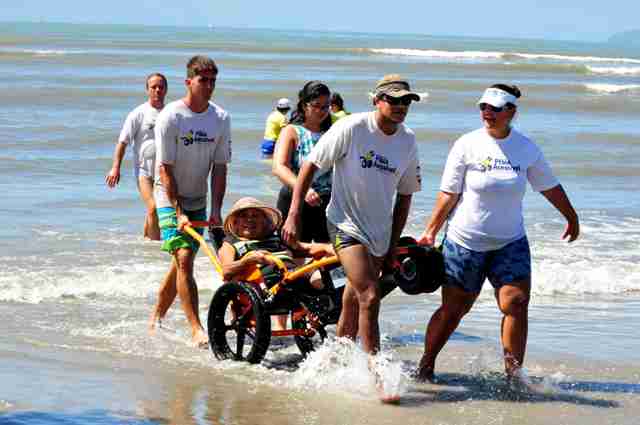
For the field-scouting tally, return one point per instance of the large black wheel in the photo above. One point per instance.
(239, 328)
(315, 333)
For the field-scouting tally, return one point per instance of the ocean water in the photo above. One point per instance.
(77, 281)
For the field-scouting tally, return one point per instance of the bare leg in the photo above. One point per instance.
(188, 293)
(348, 322)
(361, 298)
(166, 296)
(151, 224)
(513, 301)
(455, 304)
(279, 322)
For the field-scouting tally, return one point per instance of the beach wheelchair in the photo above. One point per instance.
(239, 317)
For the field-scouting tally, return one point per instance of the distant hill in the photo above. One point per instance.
(626, 37)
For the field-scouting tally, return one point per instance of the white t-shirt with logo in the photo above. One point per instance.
(369, 168)
(491, 177)
(191, 142)
(138, 131)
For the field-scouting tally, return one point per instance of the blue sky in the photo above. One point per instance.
(587, 20)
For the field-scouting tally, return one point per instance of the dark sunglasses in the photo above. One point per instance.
(395, 101)
(320, 107)
(496, 109)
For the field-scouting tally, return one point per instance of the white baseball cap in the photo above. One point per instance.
(283, 103)
(496, 97)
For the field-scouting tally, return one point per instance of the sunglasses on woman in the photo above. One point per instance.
(395, 101)
(320, 106)
(496, 109)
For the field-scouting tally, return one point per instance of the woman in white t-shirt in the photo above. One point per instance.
(481, 195)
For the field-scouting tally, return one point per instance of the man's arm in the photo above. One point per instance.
(400, 214)
(290, 228)
(218, 189)
(168, 181)
(559, 199)
(313, 250)
(113, 177)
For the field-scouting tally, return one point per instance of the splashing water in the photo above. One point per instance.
(339, 365)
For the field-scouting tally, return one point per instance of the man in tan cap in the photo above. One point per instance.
(375, 159)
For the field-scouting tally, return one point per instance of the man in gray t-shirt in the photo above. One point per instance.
(193, 142)
(375, 172)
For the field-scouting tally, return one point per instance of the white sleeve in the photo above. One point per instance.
(455, 169)
(130, 127)
(411, 181)
(222, 153)
(540, 175)
(166, 135)
(332, 146)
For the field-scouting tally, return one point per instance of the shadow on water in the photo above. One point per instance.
(418, 339)
(451, 387)
(601, 387)
(94, 417)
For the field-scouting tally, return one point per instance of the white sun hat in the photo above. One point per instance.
(283, 103)
(496, 97)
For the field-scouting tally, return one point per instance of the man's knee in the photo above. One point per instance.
(369, 295)
(184, 259)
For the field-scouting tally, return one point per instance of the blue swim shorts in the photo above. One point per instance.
(172, 239)
(468, 269)
(267, 147)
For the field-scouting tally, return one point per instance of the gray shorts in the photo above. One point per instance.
(340, 239)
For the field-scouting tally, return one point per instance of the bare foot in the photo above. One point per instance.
(153, 323)
(383, 395)
(200, 339)
(424, 374)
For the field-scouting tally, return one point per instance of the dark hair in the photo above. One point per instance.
(310, 91)
(199, 64)
(512, 90)
(156, 74)
(336, 99)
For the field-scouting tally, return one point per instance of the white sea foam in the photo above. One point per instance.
(45, 280)
(484, 55)
(440, 53)
(339, 365)
(42, 52)
(609, 70)
(611, 88)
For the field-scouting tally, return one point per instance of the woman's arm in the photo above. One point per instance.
(559, 199)
(445, 202)
(285, 146)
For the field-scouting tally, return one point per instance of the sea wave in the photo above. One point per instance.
(41, 52)
(611, 70)
(611, 88)
(495, 55)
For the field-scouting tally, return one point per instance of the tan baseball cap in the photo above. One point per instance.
(395, 86)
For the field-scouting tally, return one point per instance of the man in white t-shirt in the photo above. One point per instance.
(138, 131)
(375, 172)
(193, 142)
